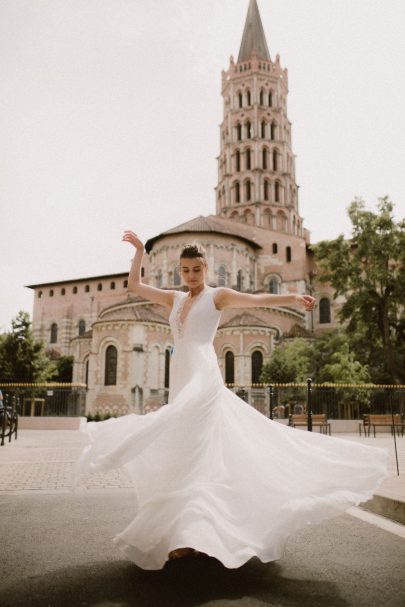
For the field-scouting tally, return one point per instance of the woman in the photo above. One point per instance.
(210, 473)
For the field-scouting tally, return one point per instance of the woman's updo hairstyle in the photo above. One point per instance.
(193, 251)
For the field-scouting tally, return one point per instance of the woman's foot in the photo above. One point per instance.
(180, 553)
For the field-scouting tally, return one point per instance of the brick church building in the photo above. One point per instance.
(255, 242)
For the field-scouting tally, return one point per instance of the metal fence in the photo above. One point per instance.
(64, 400)
(336, 401)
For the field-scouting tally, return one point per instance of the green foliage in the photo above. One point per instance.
(22, 358)
(327, 359)
(369, 271)
(63, 369)
(289, 363)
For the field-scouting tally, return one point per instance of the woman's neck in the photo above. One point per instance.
(196, 290)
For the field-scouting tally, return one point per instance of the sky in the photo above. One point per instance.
(110, 113)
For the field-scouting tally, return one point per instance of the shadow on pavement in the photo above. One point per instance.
(186, 582)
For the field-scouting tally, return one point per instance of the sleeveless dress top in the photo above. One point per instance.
(212, 473)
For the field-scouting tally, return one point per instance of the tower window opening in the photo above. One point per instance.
(248, 130)
(264, 158)
(112, 285)
(273, 131)
(63, 291)
(277, 191)
(275, 248)
(248, 187)
(51, 293)
(239, 132)
(237, 192)
(261, 97)
(288, 254)
(125, 284)
(99, 287)
(275, 160)
(263, 130)
(266, 189)
(248, 159)
(248, 97)
(270, 99)
(74, 291)
(87, 289)
(240, 100)
(237, 160)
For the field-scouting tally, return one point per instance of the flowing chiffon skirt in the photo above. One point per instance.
(211, 473)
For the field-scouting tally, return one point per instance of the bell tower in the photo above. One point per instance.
(256, 165)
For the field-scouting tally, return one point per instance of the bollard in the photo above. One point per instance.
(271, 397)
(309, 403)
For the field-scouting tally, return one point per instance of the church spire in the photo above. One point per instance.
(253, 36)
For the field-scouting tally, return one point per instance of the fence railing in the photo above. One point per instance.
(336, 401)
(9, 407)
(57, 399)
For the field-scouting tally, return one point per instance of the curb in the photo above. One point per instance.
(385, 506)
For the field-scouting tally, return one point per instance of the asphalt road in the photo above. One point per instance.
(56, 551)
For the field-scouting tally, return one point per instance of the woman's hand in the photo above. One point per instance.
(133, 238)
(307, 301)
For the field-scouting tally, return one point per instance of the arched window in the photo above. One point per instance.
(240, 99)
(99, 287)
(266, 189)
(112, 285)
(237, 160)
(63, 291)
(248, 188)
(239, 132)
(275, 160)
(270, 98)
(257, 365)
(277, 192)
(221, 276)
(248, 97)
(239, 280)
(51, 293)
(275, 248)
(82, 327)
(324, 311)
(274, 287)
(167, 368)
(288, 254)
(176, 277)
(74, 290)
(110, 373)
(39, 294)
(126, 282)
(87, 289)
(237, 192)
(248, 130)
(229, 368)
(54, 333)
(264, 158)
(261, 97)
(273, 131)
(248, 156)
(263, 130)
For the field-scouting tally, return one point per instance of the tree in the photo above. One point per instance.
(64, 369)
(289, 363)
(22, 358)
(369, 271)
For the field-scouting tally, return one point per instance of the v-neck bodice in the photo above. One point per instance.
(201, 321)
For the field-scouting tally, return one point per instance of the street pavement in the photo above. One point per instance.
(56, 548)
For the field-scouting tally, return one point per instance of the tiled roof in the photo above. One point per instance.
(244, 320)
(298, 331)
(213, 224)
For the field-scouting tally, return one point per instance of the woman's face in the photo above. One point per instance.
(193, 271)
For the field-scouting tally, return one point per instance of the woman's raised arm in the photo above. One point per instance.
(135, 284)
(228, 298)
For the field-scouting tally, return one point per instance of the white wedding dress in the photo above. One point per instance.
(211, 473)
